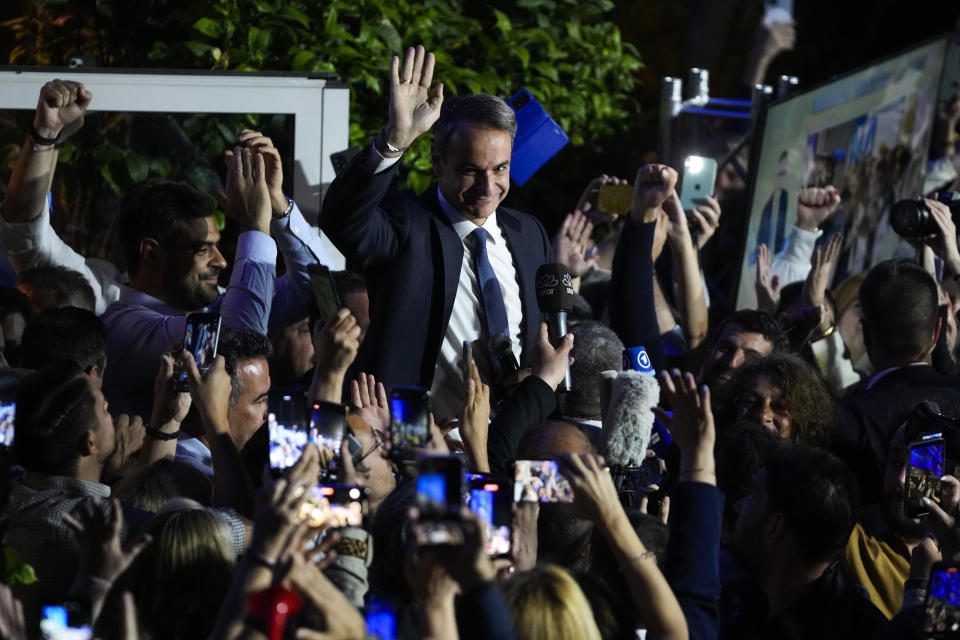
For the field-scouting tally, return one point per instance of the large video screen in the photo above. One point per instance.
(867, 134)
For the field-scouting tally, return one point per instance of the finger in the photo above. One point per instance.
(137, 546)
(394, 70)
(381, 395)
(419, 54)
(408, 62)
(436, 96)
(245, 167)
(426, 77)
(668, 385)
(705, 402)
(73, 523)
(941, 515)
(355, 398)
(705, 226)
(258, 167)
(115, 518)
(665, 509)
(642, 507)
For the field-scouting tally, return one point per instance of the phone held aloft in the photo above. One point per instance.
(201, 338)
(439, 497)
(409, 423)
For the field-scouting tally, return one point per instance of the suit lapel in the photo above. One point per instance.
(526, 266)
(450, 246)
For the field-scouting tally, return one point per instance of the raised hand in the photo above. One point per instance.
(272, 165)
(571, 243)
(369, 400)
(944, 242)
(816, 204)
(61, 108)
(549, 364)
(414, 106)
(336, 343)
(248, 199)
(692, 427)
(210, 391)
(340, 619)
(653, 185)
(768, 288)
(821, 264)
(707, 218)
(169, 405)
(130, 433)
(12, 623)
(588, 200)
(101, 554)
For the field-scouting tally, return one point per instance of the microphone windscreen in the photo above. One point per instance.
(628, 422)
(500, 345)
(554, 288)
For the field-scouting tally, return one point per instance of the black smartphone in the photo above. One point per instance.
(289, 433)
(540, 481)
(466, 361)
(941, 612)
(328, 425)
(325, 298)
(68, 620)
(493, 502)
(409, 422)
(200, 338)
(925, 458)
(615, 198)
(335, 505)
(439, 497)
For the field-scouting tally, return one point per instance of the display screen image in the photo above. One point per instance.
(55, 625)
(286, 442)
(7, 413)
(924, 471)
(334, 507)
(540, 481)
(484, 503)
(409, 419)
(942, 611)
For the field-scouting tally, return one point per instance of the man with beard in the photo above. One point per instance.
(878, 557)
(744, 335)
(791, 527)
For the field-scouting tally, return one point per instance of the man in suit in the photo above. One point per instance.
(451, 265)
(901, 324)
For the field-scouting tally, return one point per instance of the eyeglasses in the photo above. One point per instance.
(379, 439)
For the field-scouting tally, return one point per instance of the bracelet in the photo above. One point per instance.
(286, 212)
(100, 582)
(156, 434)
(643, 556)
(390, 147)
(39, 139)
(826, 334)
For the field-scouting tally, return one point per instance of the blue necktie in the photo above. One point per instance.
(490, 293)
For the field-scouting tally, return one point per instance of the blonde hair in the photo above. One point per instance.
(547, 604)
(846, 293)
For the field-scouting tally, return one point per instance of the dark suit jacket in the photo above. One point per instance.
(868, 418)
(411, 257)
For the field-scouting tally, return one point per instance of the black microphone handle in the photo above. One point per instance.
(557, 329)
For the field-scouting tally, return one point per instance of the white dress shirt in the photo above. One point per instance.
(468, 321)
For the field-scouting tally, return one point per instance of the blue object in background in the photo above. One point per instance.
(381, 620)
(538, 138)
(636, 359)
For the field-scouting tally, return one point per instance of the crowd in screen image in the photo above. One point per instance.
(503, 433)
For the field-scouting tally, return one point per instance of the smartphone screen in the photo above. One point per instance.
(381, 619)
(941, 615)
(615, 198)
(335, 505)
(409, 421)
(7, 411)
(540, 481)
(699, 175)
(328, 423)
(200, 338)
(924, 470)
(492, 501)
(439, 491)
(62, 622)
(324, 291)
(289, 434)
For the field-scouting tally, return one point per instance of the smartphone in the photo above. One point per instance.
(381, 619)
(335, 505)
(466, 361)
(325, 298)
(924, 470)
(409, 422)
(492, 501)
(941, 612)
(538, 137)
(328, 425)
(200, 338)
(615, 198)
(65, 621)
(289, 433)
(540, 481)
(699, 176)
(7, 412)
(439, 497)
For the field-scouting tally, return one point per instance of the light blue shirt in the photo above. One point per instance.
(140, 327)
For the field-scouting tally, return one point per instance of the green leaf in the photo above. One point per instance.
(108, 178)
(258, 40)
(296, 15)
(503, 22)
(301, 61)
(198, 49)
(137, 167)
(523, 55)
(208, 27)
(262, 6)
(17, 569)
(389, 34)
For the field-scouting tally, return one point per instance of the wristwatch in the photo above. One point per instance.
(286, 212)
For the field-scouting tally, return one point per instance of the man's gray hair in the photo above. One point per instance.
(478, 109)
(596, 348)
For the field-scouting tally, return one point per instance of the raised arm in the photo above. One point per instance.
(689, 282)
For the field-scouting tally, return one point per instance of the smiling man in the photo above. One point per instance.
(451, 265)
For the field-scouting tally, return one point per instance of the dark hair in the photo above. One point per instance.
(900, 308)
(752, 321)
(238, 346)
(480, 110)
(55, 409)
(53, 286)
(817, 495)
(813, 409)
(596, 348)
(348, 282)
(151, 209)
(740, 452)
(13, 300)
(64, 333)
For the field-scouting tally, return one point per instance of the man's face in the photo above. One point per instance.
(293, 350)
(763, 402)
(104, 433)
(752, 519)
(192, 264)
(249, 412)
(734, 347)
(894, 490)
(375, 471)
(474, 171)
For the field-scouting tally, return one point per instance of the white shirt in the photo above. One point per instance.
(467, 320)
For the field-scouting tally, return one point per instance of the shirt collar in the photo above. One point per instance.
(881, 374)
(464, 227)
(41, 482)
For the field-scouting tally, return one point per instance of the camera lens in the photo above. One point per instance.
(911, 219)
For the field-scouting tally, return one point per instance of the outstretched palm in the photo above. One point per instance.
(414, 106)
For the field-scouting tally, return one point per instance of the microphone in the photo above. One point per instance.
(628, 422)
(502, 349)
(555, 298)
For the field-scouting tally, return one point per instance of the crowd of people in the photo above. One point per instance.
(755, 486)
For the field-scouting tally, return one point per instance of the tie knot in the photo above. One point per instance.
(479, 236)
